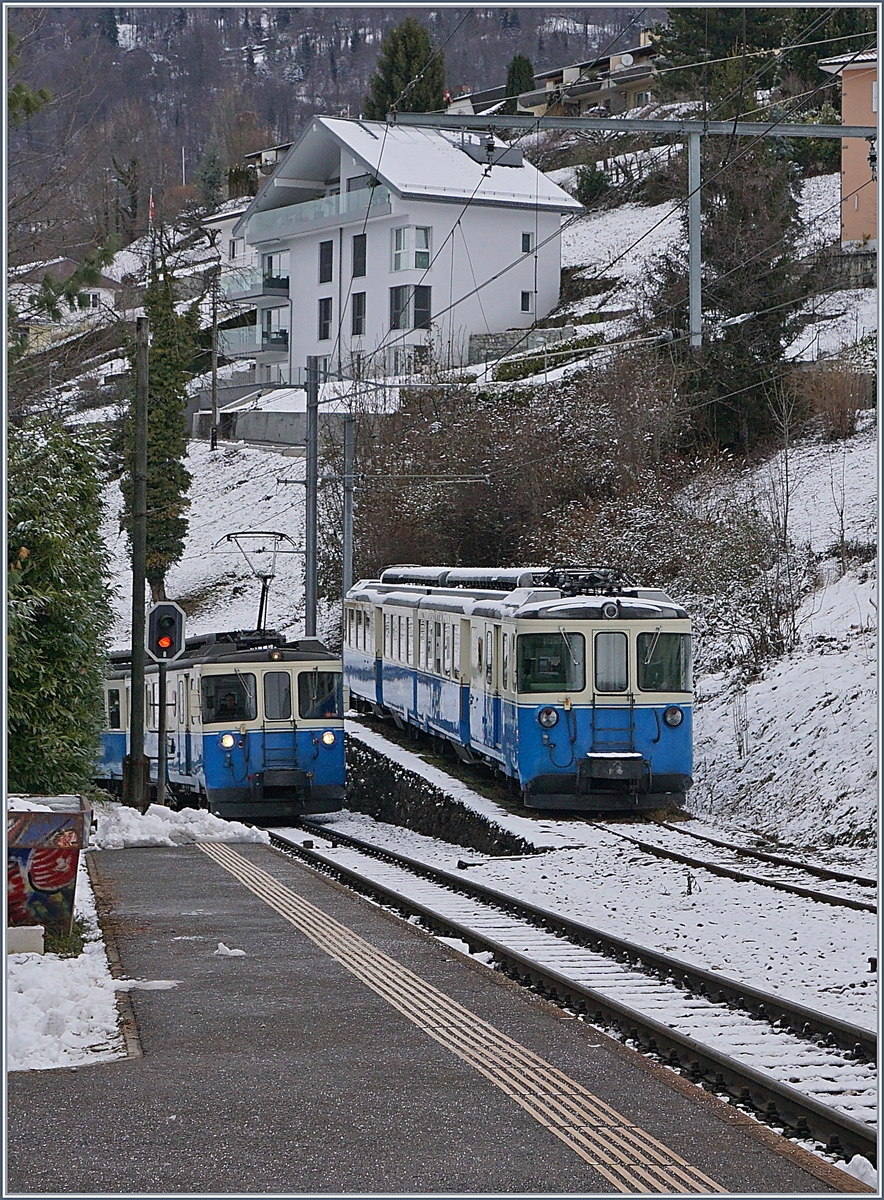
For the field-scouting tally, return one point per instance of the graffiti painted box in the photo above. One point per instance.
(42, 855)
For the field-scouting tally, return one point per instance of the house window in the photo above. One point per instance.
(325, 317)
(527, 243)
(236, 247)
(274, 334)
(526, 302)
(642, 98)
(410, 307)
(325, 261)
(359, 255)
(411, 248)
(275, 270)
(322, 365)
(88, 299)
(358, 314)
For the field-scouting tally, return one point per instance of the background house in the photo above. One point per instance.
(381, 247)
(859, 106)
(617, 82)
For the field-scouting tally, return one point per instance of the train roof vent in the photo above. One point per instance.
(416, 576)
(586, 581)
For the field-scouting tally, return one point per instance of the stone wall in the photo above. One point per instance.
(485, 346)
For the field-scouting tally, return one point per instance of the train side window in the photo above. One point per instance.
(446, 649)
(277, 695)
(611, 668)
(113, 709)
(388, 637)
(228, 698)
(409, 641)
(455, 650)
(489, 655)
(437, 663)
(182, 700)
(320, 695)
(664, 662)
(479, 655)
(505, 662)
(422, 644)
(548, 662)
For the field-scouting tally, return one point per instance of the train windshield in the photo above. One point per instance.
(320, 695)
(229, 698)
(664, 662)
(551, 662)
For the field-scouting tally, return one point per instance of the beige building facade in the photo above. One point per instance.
(859, 106)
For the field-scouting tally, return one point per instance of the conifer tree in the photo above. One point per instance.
(172, 348)
(409, 76)
(58, 613)
(519, 79)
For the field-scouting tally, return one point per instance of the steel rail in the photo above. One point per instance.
(779, 860)
(796, 889)
(703, 1064)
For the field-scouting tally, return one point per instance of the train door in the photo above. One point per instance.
(491, 714)
(182, 725)
(195, 734)
(477, 685)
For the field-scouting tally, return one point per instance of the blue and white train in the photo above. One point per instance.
(254, 726)
(575, 685)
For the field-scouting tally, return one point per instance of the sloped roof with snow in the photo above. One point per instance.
(842, 62)
(417, 163)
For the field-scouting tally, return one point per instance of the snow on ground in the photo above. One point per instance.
(61, 1012)
(815, 953)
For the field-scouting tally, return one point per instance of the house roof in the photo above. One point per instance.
(60, 269)
(413, 162)
(842, 62)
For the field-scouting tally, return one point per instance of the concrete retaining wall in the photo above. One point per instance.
(485, 346)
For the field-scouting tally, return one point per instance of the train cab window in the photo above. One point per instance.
(664, 662)
(277, 695)
(114, 720)
(549, 662)
(611, 673)
(320, 695)
(228, 698)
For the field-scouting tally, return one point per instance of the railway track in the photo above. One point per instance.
(844, 889)
(809, 1073)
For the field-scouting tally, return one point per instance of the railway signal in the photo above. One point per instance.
(165, 631)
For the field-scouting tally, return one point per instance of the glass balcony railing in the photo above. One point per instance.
(232, 342)
(252, 281)
(277, 222)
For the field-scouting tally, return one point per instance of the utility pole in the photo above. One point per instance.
(216, 275)
(135, 764)
(312, 488)
(161, 736)
(349, 455)
(694, 257)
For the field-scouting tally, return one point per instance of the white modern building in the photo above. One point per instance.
(377, 248)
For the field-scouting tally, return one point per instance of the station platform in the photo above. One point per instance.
(348, 1052)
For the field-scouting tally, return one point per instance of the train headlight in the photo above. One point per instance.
(673, 716)
(328, 738)
(228, 741)
(610, 610)
(547, 717)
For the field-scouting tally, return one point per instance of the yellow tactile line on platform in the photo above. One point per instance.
(628, 1157)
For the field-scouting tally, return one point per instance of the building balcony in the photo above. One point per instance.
(275, 340)
(250, 283)
(277, 223)
(239, 343)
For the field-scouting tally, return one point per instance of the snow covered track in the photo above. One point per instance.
(691, 1018)
(780, 873)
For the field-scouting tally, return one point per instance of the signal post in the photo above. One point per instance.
(165, 643)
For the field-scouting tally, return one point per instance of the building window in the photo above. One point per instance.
(236, 247)
(358, 314)
(359, 256)
(410, 307)
(411, 248)
(641, 99)
(527, 243)
(325, 317)
(274, 334)
(275, 270)
(322, 367)
(526, 302)
(325, 261)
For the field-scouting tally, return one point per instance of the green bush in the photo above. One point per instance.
(591, 183)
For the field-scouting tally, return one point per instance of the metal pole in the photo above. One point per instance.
(161, 736)
(216, 273)
(695, 298)
(135, 765)
(349, 454)
(312, 481)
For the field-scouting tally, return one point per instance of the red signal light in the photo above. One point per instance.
(164, 642)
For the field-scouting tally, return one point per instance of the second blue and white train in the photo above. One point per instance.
(574, 683)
